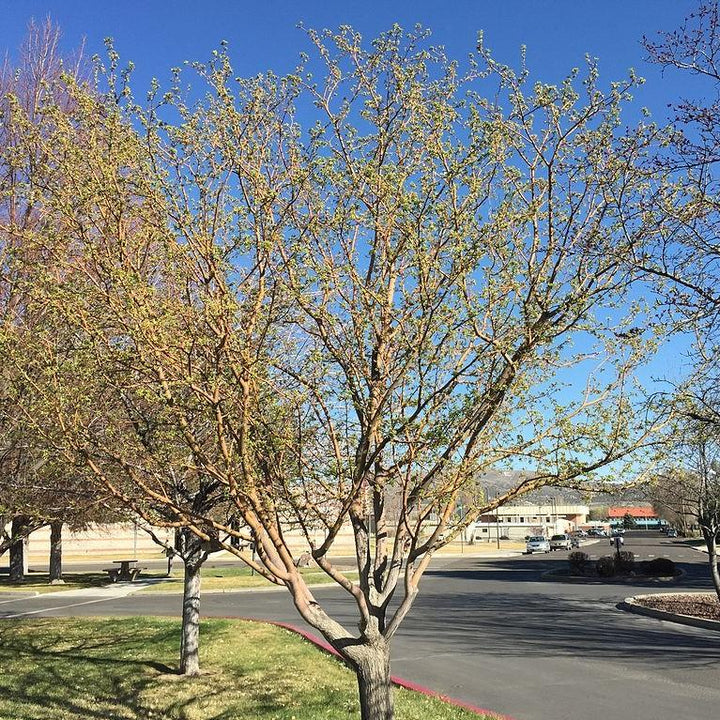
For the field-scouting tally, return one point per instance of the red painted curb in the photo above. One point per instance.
(400, 682)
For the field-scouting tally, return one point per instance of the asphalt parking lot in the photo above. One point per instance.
(493, 633)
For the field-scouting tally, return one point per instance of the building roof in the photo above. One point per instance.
(620, 512)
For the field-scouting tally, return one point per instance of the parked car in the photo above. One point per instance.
(672, 532)
(597, 533)
(537, 543)
(560, 542)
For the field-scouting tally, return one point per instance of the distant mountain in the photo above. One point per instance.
(496, 482)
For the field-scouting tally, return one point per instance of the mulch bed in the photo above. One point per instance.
(704, 606)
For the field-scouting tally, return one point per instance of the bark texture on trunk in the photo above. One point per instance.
(56, 551)
(18, 559)
(190, 640)
(369, 655)
(372, 667)
(713, 561)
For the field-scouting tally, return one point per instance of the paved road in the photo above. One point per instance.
(491, 632)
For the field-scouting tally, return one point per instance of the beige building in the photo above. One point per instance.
(126, 540)
(114, 540)
(516, 522)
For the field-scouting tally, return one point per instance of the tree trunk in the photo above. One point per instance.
(372, 668)
(190, 640)
(18, 557)
(711, 543)
(56, 552)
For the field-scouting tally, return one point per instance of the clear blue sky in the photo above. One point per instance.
(159, 34)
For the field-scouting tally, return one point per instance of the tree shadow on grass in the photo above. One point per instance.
(88, 669)
(34, 581)
(92, 669)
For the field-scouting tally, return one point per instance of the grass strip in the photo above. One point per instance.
(227, 577)
(39, 582)
(224, 577)
(123, 668)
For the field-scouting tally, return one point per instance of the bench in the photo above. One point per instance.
(116, 574)
(135, 571)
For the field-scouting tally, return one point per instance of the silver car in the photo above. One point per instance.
(537, 543)
(560, 542)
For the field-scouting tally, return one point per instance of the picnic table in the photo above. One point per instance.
(127, 571)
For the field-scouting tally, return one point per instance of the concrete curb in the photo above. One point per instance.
(632, 605)
(23, 596)
(397, 681)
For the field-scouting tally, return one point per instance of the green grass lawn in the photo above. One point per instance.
(228, 577)
(213, 578)
(38, 582)
(86, 669)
